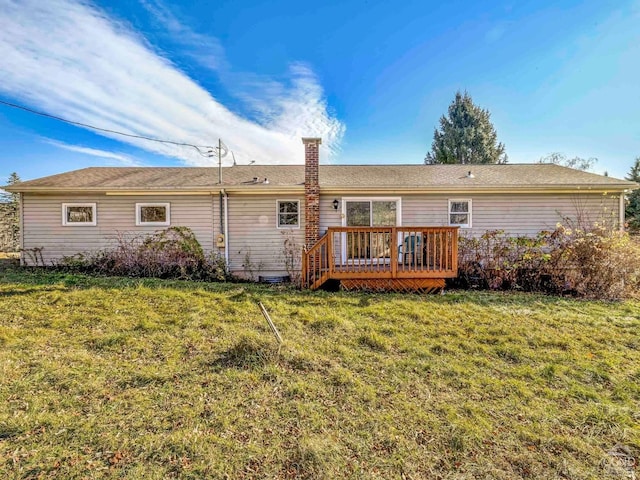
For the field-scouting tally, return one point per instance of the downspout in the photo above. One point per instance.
(221, 196)
(226, 228)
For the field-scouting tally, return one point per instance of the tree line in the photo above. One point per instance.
(10, 218)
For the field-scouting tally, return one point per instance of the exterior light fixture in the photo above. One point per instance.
(336, 203)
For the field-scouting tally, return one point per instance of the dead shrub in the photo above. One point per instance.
(593, 263)
(171, 253)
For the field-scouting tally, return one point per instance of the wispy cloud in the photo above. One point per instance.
(497, 31)
(72, 59)
(120, 158)
(296, 106)
(204, 49)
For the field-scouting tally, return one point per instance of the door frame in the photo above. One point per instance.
(343, 203)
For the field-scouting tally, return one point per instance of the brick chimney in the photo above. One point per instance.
(311, 191)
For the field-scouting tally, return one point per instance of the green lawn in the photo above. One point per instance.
(120, 378)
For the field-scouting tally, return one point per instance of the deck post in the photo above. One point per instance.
(330, 257)
(394, 252)
(454, 250)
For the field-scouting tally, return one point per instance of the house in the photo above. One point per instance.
(397, 222)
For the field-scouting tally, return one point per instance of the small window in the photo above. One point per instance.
(79, 214)
(460, 213)
(153, 214)
(288, 213)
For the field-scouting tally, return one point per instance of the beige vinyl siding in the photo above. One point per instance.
(255, 241)
(116, 215)
(215, 199)
(253, 232)
(516, 214)
(329, 216)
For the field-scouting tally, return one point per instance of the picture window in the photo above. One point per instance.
(79, 214)
(154, 214)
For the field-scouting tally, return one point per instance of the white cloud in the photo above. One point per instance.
(204, 49)
(72, 60)
(120, 158)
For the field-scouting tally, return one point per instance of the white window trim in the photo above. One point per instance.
(65, 223)
(287, 227)
(470, 213)
(344, 200)
(139, 221)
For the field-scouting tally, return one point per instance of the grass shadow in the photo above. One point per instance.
(242, 291)
(14, 292)
(248, 353)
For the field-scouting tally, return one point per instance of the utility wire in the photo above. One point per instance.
(207, 153)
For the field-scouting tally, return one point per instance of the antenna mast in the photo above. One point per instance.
(222, 152)
(219, 161)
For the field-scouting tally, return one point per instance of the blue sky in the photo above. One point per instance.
(371, 78)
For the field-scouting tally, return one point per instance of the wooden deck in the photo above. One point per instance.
(383, 258)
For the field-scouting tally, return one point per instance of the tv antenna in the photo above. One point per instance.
(221, 151)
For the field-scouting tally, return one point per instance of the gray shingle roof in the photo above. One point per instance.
(442, 177)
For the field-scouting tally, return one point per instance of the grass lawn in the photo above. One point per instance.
(120, 378)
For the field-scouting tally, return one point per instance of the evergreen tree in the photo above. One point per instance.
(632, 211)
(466, 135)
(10, 218)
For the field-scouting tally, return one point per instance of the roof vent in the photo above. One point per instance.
(470, 175)
(266, 181)
(255, 179)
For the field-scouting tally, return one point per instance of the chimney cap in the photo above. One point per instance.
(307, 140)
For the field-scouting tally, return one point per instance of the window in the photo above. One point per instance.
(79, 214)
(371, 213)
(153, 214)
(288, 213)
(460, 213)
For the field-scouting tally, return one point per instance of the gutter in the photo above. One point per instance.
(271, 189)
(468, 190)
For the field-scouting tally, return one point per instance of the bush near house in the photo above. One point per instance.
(171, 253)
(596, 263)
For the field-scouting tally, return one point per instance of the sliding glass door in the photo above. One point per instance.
(364, 212)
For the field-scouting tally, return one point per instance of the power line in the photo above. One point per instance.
(207, 153)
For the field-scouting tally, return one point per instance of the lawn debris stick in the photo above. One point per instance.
(271, 324)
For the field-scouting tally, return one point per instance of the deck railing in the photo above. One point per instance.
(316, 266)
(382, 252)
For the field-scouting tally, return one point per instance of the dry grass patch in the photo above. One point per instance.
(120, 378)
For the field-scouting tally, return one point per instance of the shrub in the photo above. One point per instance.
(594, 263)
(171, 253)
